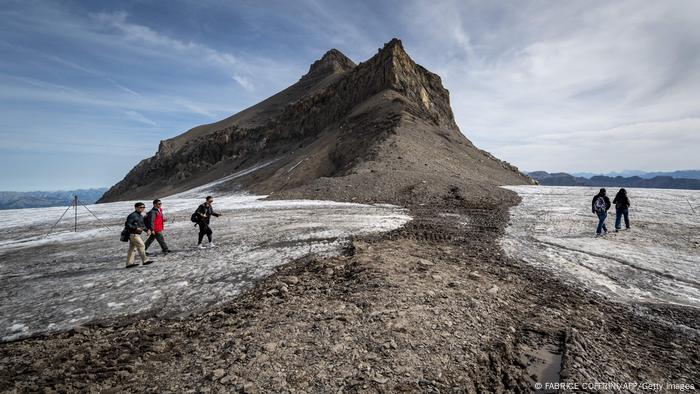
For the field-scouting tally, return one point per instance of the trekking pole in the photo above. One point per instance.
(690, 235)
(98, 219)
(75, 203)
(59, 219)
(691, 206)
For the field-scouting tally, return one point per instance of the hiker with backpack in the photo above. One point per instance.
(600, 206)
(155, 222)
(134, 226)
(622, 205)
(202, 216)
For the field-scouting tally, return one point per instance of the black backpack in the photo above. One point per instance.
(195, 216)
(124, 236)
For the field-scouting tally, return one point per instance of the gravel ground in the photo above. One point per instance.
(434, 307)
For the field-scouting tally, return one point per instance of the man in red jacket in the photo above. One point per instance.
(155, 222)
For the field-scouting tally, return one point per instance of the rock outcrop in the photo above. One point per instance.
(370, 132)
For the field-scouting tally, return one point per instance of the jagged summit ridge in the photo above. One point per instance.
(394, 47)
(423, 89)
(333, 58)
(331, 62)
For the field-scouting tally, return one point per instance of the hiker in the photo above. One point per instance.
(135, 226)
(600, 206)
(154, 223)
(204, 213)
(622, 205)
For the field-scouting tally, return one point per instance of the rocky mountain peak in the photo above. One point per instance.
(331, 62)
(423, 89)
(338, 120)
(394, 47)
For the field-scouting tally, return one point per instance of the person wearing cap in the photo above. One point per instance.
(600, 206)
(135, 225)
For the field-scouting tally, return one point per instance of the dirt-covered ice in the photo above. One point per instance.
(657, 260)
(54, 283)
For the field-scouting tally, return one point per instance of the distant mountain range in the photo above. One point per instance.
(40, 199)
(658, 182)
(686, 174)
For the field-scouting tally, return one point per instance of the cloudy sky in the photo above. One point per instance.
(87, 89)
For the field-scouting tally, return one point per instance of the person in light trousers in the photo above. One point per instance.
(136, 225)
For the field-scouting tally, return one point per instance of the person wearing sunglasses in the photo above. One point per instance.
(135, 225)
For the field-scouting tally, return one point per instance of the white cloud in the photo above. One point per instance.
(44, 85)
(122, 87)
(195, 108)
(244, 81)
(114, 38)
(145, 36)
(71, 64)
(521, 73)
(29, 90)
(662, 145)
(138, 117)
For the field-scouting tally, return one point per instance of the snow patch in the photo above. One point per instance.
(66, 273)
(17, 327)
(657, 261)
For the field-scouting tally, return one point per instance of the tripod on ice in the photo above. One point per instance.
(74, 205)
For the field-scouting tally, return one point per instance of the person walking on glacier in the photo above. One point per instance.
(202, 216)
(622, 205)
(135, 226)
(600, 206)
(155, 223)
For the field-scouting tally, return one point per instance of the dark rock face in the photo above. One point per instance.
(337, 118)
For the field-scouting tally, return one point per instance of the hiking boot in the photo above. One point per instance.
(147, 262)
(132, 265)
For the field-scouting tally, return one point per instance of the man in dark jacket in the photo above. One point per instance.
(204, 214)
(600, 206)
(622, 205)
(135, 225)
(155, 223)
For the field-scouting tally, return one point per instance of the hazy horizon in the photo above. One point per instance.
(524, 171)
(70, 189)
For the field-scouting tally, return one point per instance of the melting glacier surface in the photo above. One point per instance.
(656, 261)
(52, 283)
